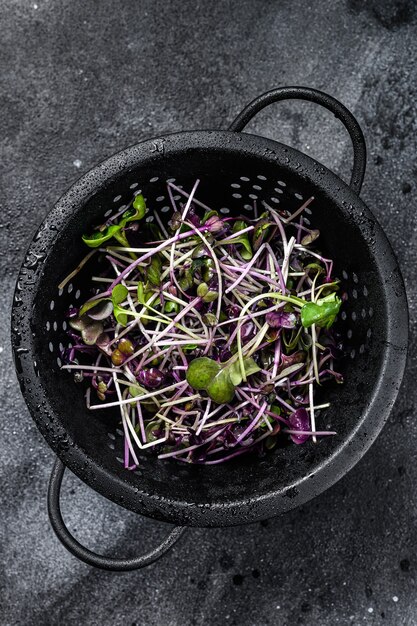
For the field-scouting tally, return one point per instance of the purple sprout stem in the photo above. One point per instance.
(253, 422)
(191, 448)
(299, 229)
(141, 422)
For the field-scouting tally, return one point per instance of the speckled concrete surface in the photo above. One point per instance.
(80, 81)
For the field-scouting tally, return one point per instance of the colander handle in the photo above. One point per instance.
(83, 553)
(328, 102)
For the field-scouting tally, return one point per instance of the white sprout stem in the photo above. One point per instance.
(286, 261)
(180, 401)
(272, 295)
(119, 256)
(236, 234)
(92, 368)
(141, 422)
(136, 321)
(77, 269)
(163, 342)
(251, 316)
(141, 445)
(190, 200)
(180, 243)
(160, 224)
(186, 195)
(204, 418)
(278, 221)
(319, 406)
(169, 296)
(125, 419)
(314, 335)
(277, 358)
(145, 396)
(178, 261)
(156, 341)
(246, 270)
(172, 251)
(190, 448)
(257, 340)
(164, 244)
(312, 417)
(129, 374)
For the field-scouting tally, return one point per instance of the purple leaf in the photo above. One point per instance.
(299, 420)
(101, 311)
(151, 378)
(102, 342)
(281, 319)
(214, 224)
(292, 359)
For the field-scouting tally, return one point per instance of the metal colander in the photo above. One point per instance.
(235, 169)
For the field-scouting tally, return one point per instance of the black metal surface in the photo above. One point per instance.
(325, 100)
(246, 491)
(81, 80)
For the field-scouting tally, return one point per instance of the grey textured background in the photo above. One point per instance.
(81, 80)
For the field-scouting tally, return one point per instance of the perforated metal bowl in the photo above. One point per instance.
(234, 169)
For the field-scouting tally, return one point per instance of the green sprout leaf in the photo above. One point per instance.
(149, 403)
(205, 374)
(91, 332)
(235, 373)
(207, 271)
(189, 347)
(201, 372)
(96, 239)
(80, 322)
(152, 430)
(202, 290)
(141, 292)
(171, 307)
(219, 381)
(102, 310)
(323, 312)
(119, 294)
(260, 231)
(310, 237)
(144, 293)
(90, 305)
(120, 315)
(291, 338)
(135, 212)
(221, 389)
(246, 250)
(314, 267)
(210, 296)
(210, 319)
(185, 281)
(154, 270)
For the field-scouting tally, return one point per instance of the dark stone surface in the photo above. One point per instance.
(80, 81)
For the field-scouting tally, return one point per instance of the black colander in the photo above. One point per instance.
(234, 168)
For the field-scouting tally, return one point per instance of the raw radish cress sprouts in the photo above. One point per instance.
(207, 335)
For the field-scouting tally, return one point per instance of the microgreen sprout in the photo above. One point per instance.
(206, 335)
